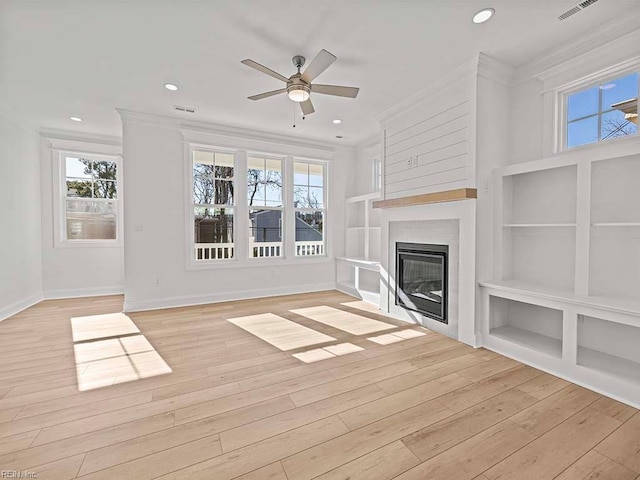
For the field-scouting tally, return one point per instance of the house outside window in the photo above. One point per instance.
(309, 206)
(601, 112)
(90, 199)
(264, 198)
(213, 204)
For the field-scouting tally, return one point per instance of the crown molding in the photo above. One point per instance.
(562, 58)
(464, 70)
(192, 130)
(81, 142)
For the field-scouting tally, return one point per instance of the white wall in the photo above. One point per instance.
(20, 258)
(74, 271)
(155, 221)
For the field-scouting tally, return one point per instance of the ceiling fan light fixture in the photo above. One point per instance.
(298, 93)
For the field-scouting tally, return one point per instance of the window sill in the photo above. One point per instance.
(88, 244)
(259, 262)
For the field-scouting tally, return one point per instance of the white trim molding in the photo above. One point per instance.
(20, 305)
(83, 292)
(191, 300)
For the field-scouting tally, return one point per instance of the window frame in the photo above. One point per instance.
(241, 227)
(562, 102)
(192, 205)
(282, 208)
(324, 209)
(60, 200)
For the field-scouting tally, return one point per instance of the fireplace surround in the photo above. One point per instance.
(422, 279)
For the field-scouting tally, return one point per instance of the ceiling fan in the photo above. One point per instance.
(299, 87)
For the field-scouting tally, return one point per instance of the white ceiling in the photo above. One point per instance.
(85, 58)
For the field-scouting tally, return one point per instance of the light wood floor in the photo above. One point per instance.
(384, 401)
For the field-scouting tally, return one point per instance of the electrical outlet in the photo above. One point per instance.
(414, 161)
(158, 281)
(409, 162)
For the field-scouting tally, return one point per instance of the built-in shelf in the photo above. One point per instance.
(435, 197)
(621, 368)
(524, 225)
(616, 224)
(628, 307)
(526, 338)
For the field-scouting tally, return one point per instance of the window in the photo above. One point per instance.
(602, 112)
(264, 198)
(213, 202)
(308, 198)
(376, 174)
(90, 198)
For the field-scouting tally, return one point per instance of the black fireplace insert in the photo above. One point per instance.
(421, 279)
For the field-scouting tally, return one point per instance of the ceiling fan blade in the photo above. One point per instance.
(351, 92)
(318, 65)
(260, 96)
(263, 69)
(307, 107)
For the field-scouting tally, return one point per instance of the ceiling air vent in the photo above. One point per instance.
(184, 109)
(575, 9)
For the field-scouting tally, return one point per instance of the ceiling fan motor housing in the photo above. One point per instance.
(297, 89)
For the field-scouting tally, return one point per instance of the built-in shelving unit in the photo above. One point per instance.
(358, 272)
(566, 293)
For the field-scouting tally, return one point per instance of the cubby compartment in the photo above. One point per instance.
(355, 242)
(540, 256)
(528, 325)
(355, 214)
(609, 347)
(615, 197)
(541, 197)
(614, 262)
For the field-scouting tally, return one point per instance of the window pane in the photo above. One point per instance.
(301, 197)
(256, 193)
(315, 197)
(223, 192)
(224, 159)
(203, 190)
(104, 189)
(582, 132)
(203, 170)
(300, 173)
(223, 172)
(615, 124)
(273, 195)
(213, 233)
(203, 157)
(620, 90)
(255, 163)
(78, 168)
(87, 220)
(103, 170)
(265, 228)
(309, 233)
(316, 174)
(583, 103)
(79, 188)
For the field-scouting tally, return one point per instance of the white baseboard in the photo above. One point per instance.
(191, 300)
(16, 307)
(83, 292)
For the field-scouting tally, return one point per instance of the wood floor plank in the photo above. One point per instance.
(17, 442)
(550, 454)
(382, 464)
(269, 427)
(488, 369)
(553, 410)
(346, 448)
(64, 469)
(435, 439)
(543, 386)
(614, 409)
(163, 462)
(260, 454)
(596, 466)
(270, 472)
(371, 412)
(623, 446)
(470, 458)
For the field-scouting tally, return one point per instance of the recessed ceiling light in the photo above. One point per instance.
(337, 121)
(171, 86)
(75, 119)
(483, 15)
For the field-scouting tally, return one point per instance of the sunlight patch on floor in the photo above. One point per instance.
(395, 337)
(109, 349)
(325, 353)
(280, 332)
(345, 321)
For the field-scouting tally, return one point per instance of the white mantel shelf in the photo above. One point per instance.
(425, 198)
